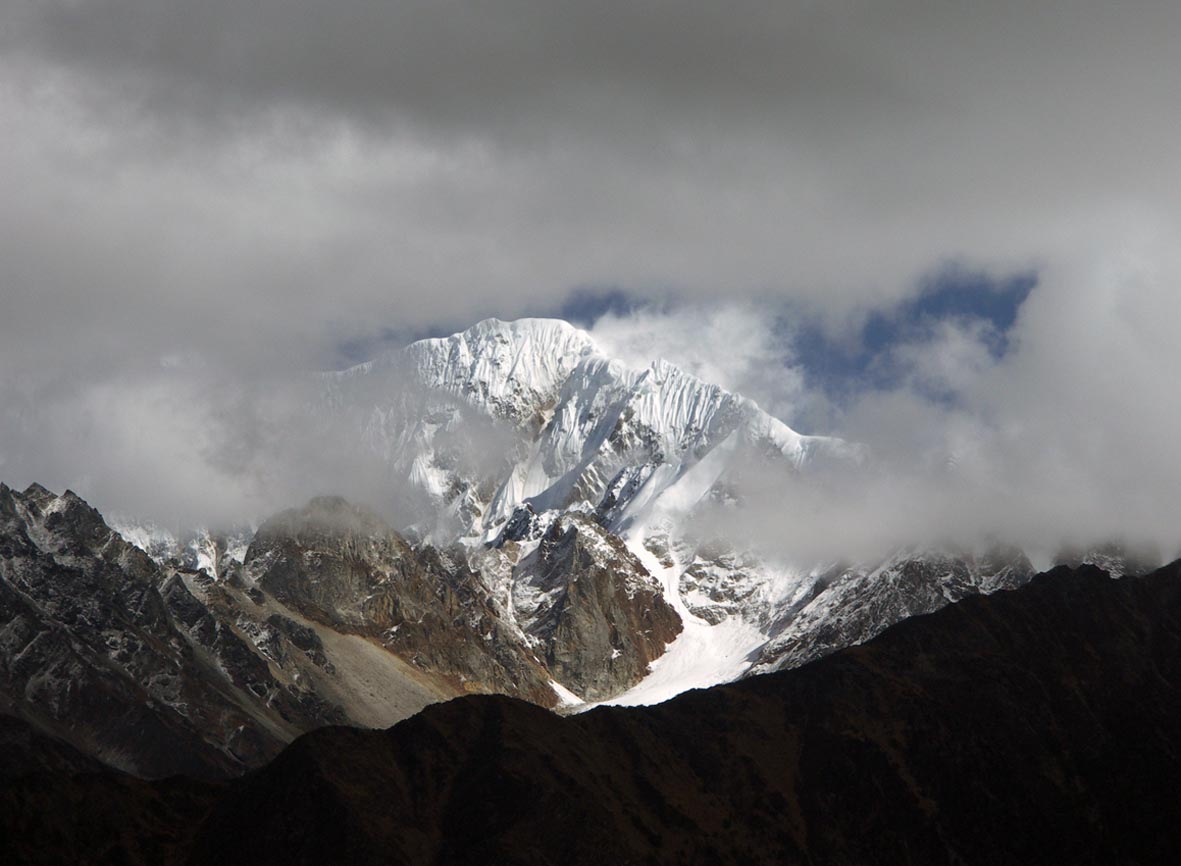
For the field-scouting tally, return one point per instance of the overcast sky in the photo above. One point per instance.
(197, 199)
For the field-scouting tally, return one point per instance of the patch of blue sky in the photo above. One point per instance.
(841, 368)
(585, 306)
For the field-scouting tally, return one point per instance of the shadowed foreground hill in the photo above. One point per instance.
(1041, 725)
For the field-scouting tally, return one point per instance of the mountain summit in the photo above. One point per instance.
(578, 429)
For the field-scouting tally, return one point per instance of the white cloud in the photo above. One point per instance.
(737, 346)
(950, 356)
(1070, 436)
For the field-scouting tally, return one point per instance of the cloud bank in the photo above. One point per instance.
(204, 202)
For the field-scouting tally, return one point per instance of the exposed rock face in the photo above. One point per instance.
(1035, 726)
(593, 610)
(566, 600)
(89, 650)
(721, 582)
(336, 619)
(215, 552)
(332, 619)
(254, 656)
(342, 566)
(161, 670)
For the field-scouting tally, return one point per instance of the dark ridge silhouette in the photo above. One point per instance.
(1041, 725)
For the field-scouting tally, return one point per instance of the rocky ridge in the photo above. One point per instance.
(573, 616)
(331, 618)
(161, 669)
(93, 653)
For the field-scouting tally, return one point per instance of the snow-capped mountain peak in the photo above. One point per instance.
(547, 469)
(513, 369)
(506, 432)
(589, 432)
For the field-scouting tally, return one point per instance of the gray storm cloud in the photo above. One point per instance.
(203, 202)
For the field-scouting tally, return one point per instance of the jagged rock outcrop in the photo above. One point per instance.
(160, 670)
(216, 552)
(337, 676)
(89, 650)
(577, 607)
(332, 619)
(253, 655)
(592, 610)
(343, 566)
(721, 581)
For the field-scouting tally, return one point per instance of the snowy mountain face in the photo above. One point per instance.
(578, 430)
(636, 452)
(560, 496)
(553, 472)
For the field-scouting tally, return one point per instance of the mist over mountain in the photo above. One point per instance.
(576, 531)
(188, 446)
(557, 525)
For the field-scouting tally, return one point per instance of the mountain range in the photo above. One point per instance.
(562, 552)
